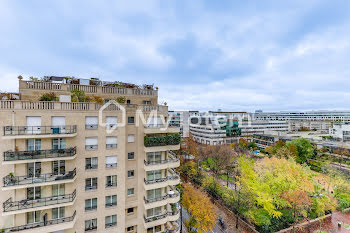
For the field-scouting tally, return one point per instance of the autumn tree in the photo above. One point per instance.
(201, 210)
(220, 157)
(304, 148)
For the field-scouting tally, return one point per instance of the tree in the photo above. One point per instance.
(190, 146)
(242, 143)
(220, 156)
(201, 210)
(284, 152)
(304, 148)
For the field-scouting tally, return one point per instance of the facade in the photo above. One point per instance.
(321, 126)
(182, 119)
(259, 127)
(340, 131)
(304, 116)
(64, 171)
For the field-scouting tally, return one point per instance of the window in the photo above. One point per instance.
(58, 124)
(58, 190)
(111, 122)
(33, 144)
(111, 181)
(91, 204)
(155, 229)
(111, 142)
(34, 193)
(131, 156)
(146, 102)
(34, 169)
(91, 183)
(33, 125)
(91, 143)
(59, 167)
(131, 192)
(91, 122)
(131, 173)
(154, 193)
(154, 175)
(131, 120)
(130, 229)
(58, 213)
(154, 122)
(111, 200)
(154, 157)
(128, 101)
(111, 161)
(111, 221)
(33, 217)
(130, 211)
(91, 163)
(131, 138)
(91, 224)
(58, 143)
(154, 212)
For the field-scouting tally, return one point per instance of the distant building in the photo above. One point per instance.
(340, 131)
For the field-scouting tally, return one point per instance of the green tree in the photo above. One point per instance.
(304, 148)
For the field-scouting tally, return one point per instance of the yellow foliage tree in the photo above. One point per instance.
(202, 213)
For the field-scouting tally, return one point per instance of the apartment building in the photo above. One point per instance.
(85, 166)
(182, 120)
(340, 131)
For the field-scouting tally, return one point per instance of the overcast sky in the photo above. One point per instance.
(203, 55)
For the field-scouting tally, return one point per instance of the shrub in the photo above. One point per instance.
(48, 97)
(120, 99)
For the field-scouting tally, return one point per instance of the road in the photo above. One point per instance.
(186, 216)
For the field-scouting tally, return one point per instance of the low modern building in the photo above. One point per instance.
(87, 166)
(340, 131)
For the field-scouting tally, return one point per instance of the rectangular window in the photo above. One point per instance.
(154, 193)
(131, 192)
(58, 143)
(111, 181)
(33, 217)
(58, 190)
(154, 122)
(154, 175)
(131, 156)
(90, 204)
(111, 122)
(34, 193)
(33, 144)
(111, 142)
(91, 163)
(130, 210)
(111, 200)
(131, 138)
(91, 183)
(34, 169)
(154, 157)
(111, 221)
(111, 161)
(131, 173)
(154, 212)
(33, 125)
(91, 122)
(59, 167)
(58, 213)
(58, 124)
(91, 224)
(146, 102)
(131, 120)
(91, 143)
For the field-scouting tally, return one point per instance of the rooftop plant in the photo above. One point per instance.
(51, 96)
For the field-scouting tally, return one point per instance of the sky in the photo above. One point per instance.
(203, 55)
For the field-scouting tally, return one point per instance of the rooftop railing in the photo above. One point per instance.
(39, 154)
(10, 205)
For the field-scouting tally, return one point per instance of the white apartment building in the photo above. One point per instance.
(84, 166)
(340, 131)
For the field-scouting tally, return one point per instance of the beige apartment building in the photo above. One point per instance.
(64, 171)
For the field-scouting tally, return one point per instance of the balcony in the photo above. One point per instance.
(22, 156)
(162, 143)
(172, 179)
(162, 219)
(23, 132)
(13, 182)
(161, 128)
(171, 197)
(10, 206)
(47, 226)
(172, 161)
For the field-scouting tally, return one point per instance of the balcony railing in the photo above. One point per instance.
(91, 126)
(40, 224)
(173, 158)
(155, 218)
(39, 130)
(156, 180)
(110, 146)
(10, 205)
(111, 165)
(151, 200)
(49, 177)
(91, 147)
(39, 154)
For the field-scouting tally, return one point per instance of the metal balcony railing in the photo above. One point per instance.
(39, 224)
(10, 205)
(9, 181)
(155, 218)
(94, 126)
(39, 130)
(110, 146)
(39, 154)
